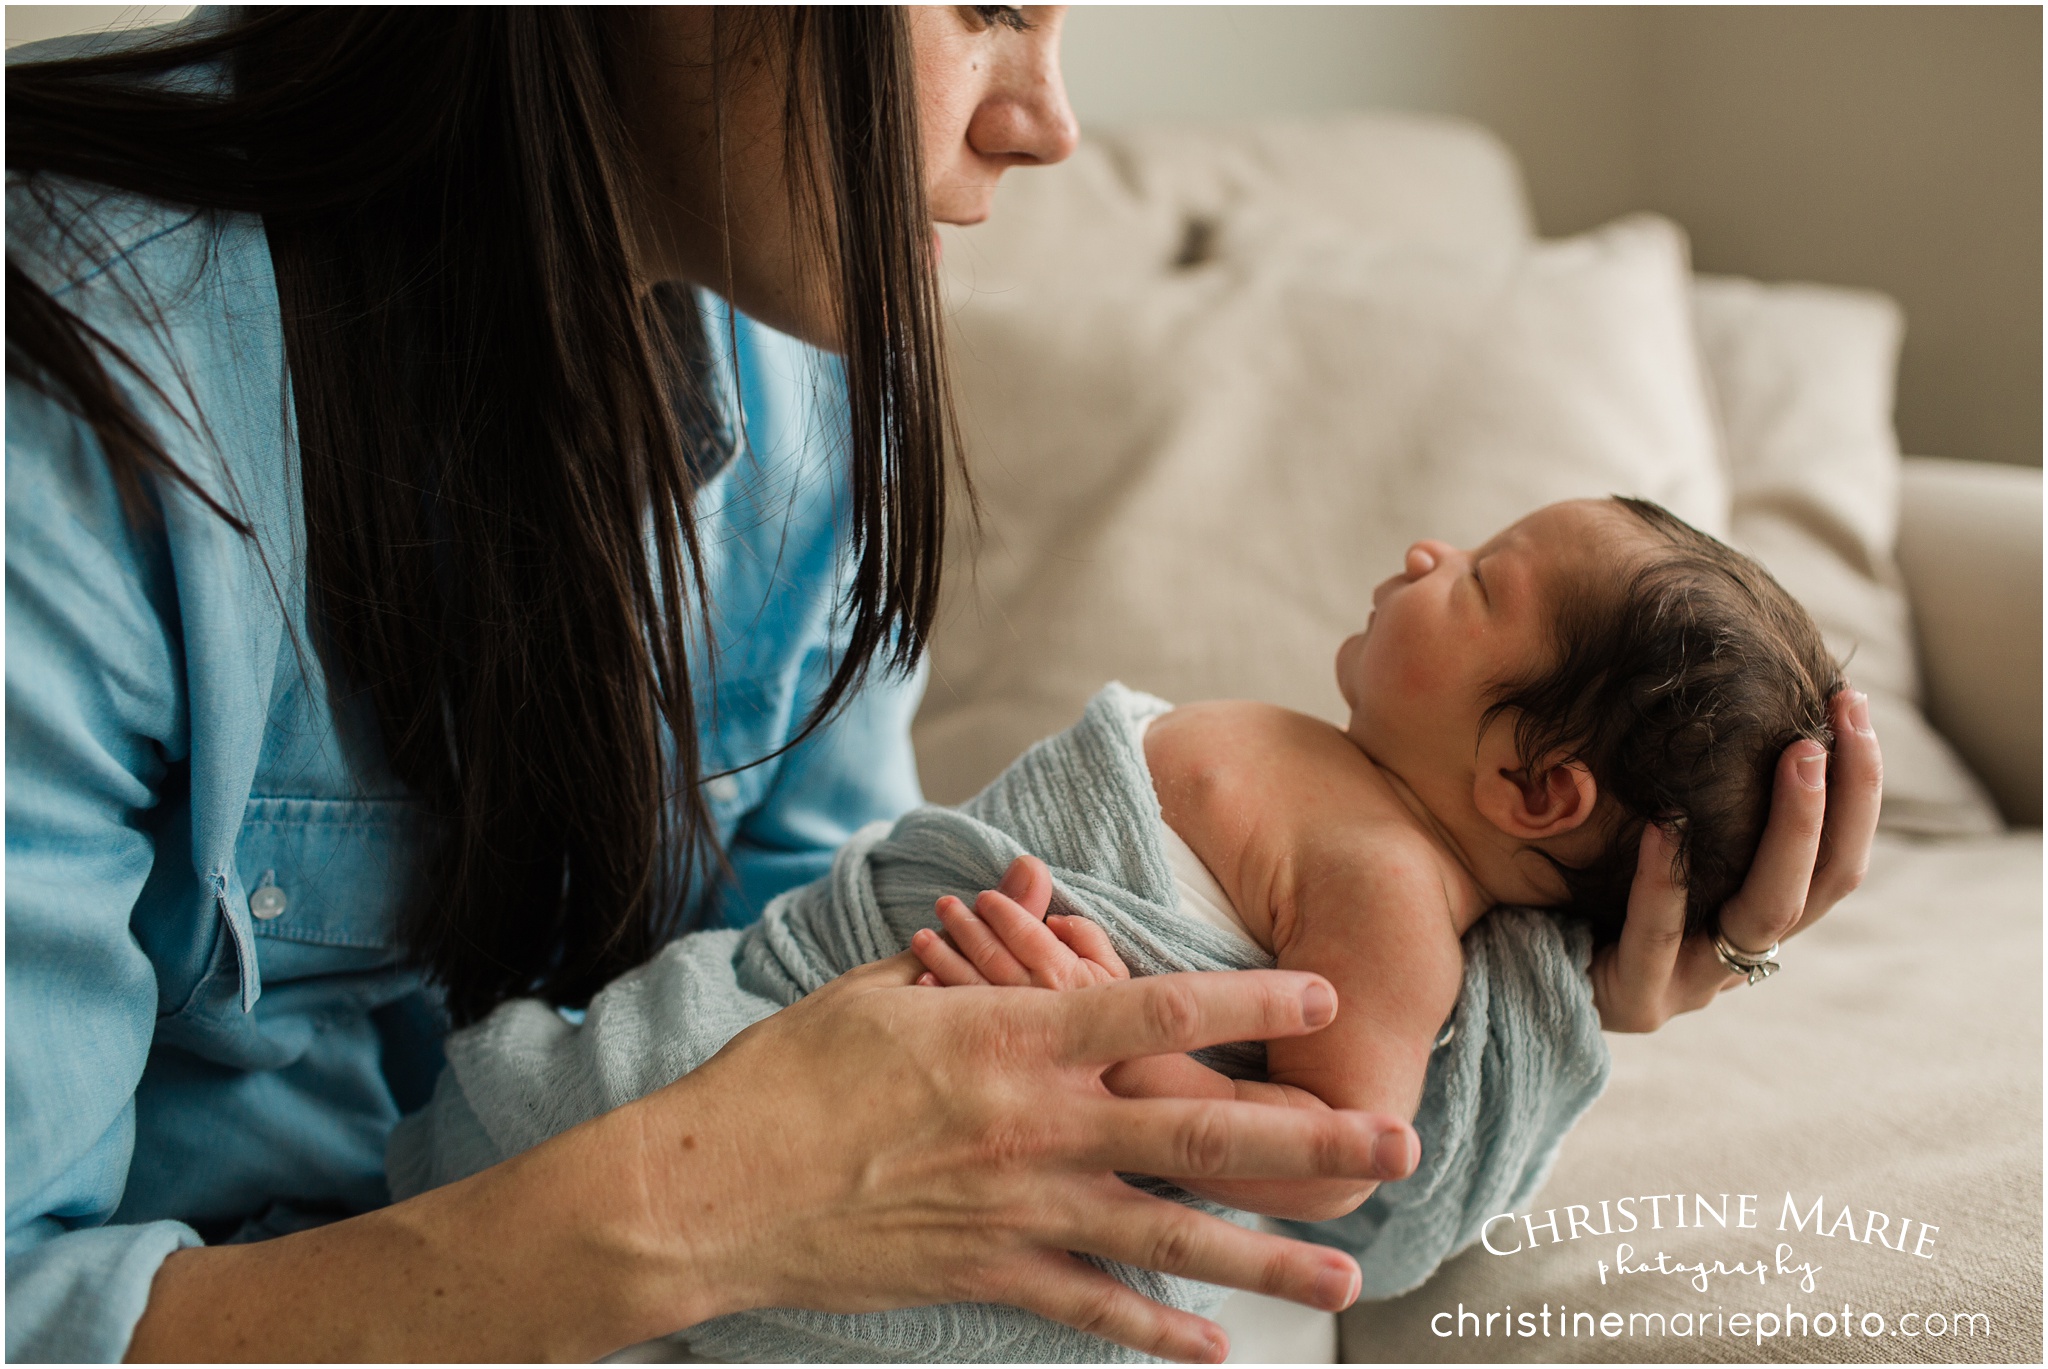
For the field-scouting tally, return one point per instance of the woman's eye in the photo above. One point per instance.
(1009, 16)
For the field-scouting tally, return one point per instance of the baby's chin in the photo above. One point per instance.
(1347, 654)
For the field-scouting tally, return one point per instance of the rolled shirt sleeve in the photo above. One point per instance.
(95, 724)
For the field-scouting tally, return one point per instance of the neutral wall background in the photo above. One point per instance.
(1898, 148)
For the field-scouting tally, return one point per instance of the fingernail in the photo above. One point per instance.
(1318, 1005)
(1813, 768)
(1336, 1289)
(1391, 1155)
(1215, 1347)
(1859, 713)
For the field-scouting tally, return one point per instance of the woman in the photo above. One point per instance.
(324, 691)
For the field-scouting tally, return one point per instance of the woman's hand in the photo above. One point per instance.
(1814, 853)
(1002, 940)
(879, 1145)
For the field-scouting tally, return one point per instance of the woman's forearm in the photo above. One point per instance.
(550, 1255)
(875, 1145)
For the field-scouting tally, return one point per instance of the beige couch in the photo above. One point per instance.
(1213, 381)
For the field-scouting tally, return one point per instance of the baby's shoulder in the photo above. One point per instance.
(1239, 720)
(1237, 751)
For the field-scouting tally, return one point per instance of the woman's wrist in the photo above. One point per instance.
(612, 1233)
(555, 1254)
(643, 1215)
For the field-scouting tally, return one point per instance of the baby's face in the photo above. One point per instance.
(1453, 625)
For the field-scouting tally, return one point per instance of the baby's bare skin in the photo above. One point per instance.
(1361, 854)
(1331, 872)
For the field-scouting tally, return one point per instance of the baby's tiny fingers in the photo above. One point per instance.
(1089, 942)
(942, 961)
(1051, 963)
(1030, 883)
(980, 944)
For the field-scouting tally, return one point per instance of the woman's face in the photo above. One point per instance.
(989, 97)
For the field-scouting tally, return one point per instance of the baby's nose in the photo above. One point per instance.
(1422, 559)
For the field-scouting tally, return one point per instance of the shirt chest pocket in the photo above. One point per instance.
(307, 919)
(326, 873)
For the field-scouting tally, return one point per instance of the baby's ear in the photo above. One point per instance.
(1531, 802)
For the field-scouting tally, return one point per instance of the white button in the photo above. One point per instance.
(724, 789)
(266, 900)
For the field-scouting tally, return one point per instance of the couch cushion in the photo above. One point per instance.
(1133, 207)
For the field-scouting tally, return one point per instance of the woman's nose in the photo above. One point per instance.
(1025, 116)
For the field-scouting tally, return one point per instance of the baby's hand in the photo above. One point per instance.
(1000, 942)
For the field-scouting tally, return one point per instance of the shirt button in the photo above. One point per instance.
(723, 789)
(266, 900)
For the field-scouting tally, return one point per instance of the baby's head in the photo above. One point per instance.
(1595, 667)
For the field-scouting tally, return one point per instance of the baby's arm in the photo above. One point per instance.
(998, 942)
(1377, 924)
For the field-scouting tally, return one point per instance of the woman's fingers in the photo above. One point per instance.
(1065, 1289)
(981, 945)
(1631, 981)
(1815, 850)
(1211, 1139)
(1120, 1223)
(1855, 792)
(1774, 893)
(1184, 1012)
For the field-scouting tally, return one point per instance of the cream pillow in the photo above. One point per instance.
(1130, 208)
(1802, 378)
(1192, 480)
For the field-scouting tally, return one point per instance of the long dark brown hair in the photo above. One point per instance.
(496, 421)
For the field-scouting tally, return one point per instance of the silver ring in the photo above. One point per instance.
(1755, 967)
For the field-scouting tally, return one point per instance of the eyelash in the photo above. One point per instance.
(1009, 16)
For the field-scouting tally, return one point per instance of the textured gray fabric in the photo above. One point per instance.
(1523, 1061)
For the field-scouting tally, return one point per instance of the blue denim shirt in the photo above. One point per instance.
(210, 1025)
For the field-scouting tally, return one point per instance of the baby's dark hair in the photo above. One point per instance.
(1678, 689)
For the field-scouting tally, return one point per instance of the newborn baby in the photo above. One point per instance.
(1519, 713)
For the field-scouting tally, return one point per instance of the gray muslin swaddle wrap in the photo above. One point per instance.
(1522, 1061)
